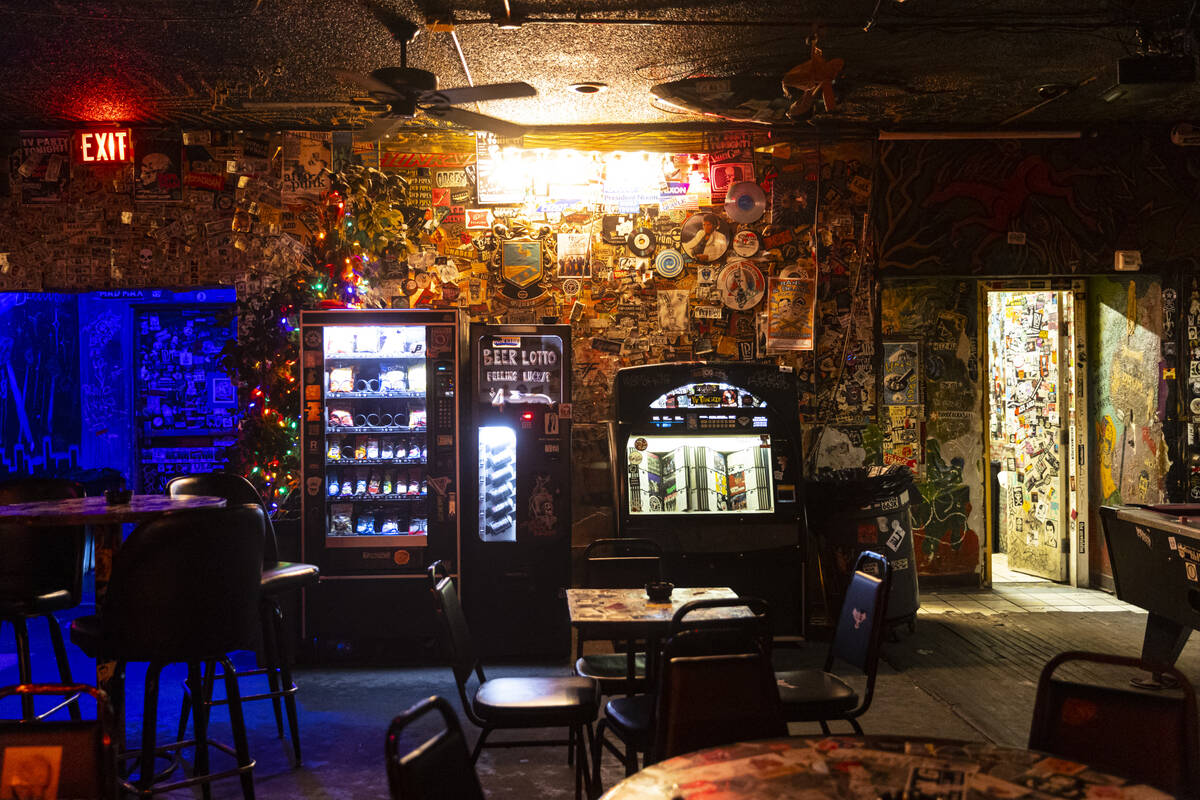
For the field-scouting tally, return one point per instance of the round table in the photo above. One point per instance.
(106, 520)
(871, 767)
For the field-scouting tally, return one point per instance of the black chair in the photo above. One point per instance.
(277, 577)
(87, 764)
(633, 719)
(41, 572)
(184, 588)
(617, 564)
(1141, 735)
(717, 687)
(819, 695)
(437, 768)
(514, 703)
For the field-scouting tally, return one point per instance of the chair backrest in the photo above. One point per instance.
(621, 563)
(754, 622)
(236, 490)
(861, 621)
(436, 768)
(59, 757)
(457, 635)
(716, 686)
(185, 586)
(38, 561)
(1144, 736)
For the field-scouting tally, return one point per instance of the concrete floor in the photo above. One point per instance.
(345, 711)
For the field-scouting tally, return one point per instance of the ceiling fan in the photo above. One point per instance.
(404, 90)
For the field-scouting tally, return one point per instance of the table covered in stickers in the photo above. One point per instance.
(869, 768)
(1155, 556)
(628, 614)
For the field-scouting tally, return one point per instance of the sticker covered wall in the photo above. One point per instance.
(934, 427)
(1126, 431)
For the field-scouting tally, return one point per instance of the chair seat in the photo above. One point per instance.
(631, 718)
(812, 694)
(37, 605)
(607, 667)
(282, 576)
(87, 634)
(537, 702)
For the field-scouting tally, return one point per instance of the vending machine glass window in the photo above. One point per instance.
(375, 439)
(714, 475)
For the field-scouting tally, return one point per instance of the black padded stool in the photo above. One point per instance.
(277, 577)
(41, 572)
(184, 588)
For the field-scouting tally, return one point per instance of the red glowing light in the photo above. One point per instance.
(527, 415)
(110, 146)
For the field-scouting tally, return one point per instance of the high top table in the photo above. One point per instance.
(870, 767)
(106, 520)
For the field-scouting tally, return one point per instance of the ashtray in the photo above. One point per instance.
(117, 497)
(659, 591)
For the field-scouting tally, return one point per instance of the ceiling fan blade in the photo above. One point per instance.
(373, 86)
(381, 126)
(493, 91)
(478, 122)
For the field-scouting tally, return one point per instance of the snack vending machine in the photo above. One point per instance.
(708, 459)
(380, 462)
(517, 537)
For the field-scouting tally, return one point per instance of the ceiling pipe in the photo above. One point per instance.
(922, 136)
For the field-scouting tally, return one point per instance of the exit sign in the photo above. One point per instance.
(107, 146)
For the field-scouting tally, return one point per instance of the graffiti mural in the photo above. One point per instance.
(1131, 453)
(939, 438)
(1001, 207)
(39, 383)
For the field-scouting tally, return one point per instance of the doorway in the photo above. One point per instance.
(1034, 389)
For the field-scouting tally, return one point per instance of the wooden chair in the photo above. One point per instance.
(617, 564)
(278, 577)
(514, 703)
(819, 695)
(41, 572)
(1145, 736)
(87, 766)
(438, 768)
(633, 719)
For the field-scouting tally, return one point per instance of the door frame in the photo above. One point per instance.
(1073, 374)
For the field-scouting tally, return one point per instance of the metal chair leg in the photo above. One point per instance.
(200, 765)
(64, 665)
(149, 723)
(24, 664)
(267, 611)
(238, 722)
(286, 682)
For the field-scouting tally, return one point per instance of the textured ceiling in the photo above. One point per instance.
(948, 64)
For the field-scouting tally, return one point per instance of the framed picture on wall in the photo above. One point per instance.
(521, 262)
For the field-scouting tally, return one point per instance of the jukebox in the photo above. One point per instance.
(708, 466)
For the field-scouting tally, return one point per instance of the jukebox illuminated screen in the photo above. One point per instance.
(700, 474)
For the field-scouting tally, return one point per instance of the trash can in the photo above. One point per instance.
(852, 510)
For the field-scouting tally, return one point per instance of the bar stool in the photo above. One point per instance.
(184, 589)
(41, 573)
(277, 577)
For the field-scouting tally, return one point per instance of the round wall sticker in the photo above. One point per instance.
(741, 285)
(746, 243)
(669, 263)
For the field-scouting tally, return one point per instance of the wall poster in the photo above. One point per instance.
(791, 310)
(901, 373)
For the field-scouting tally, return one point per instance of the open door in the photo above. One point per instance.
(1029, 406)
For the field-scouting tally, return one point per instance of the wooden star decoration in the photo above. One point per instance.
(807, 79)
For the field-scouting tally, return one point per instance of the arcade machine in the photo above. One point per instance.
(710, 454)
(380, 466)
(517, 534)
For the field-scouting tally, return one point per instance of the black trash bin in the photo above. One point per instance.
(852, 510)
